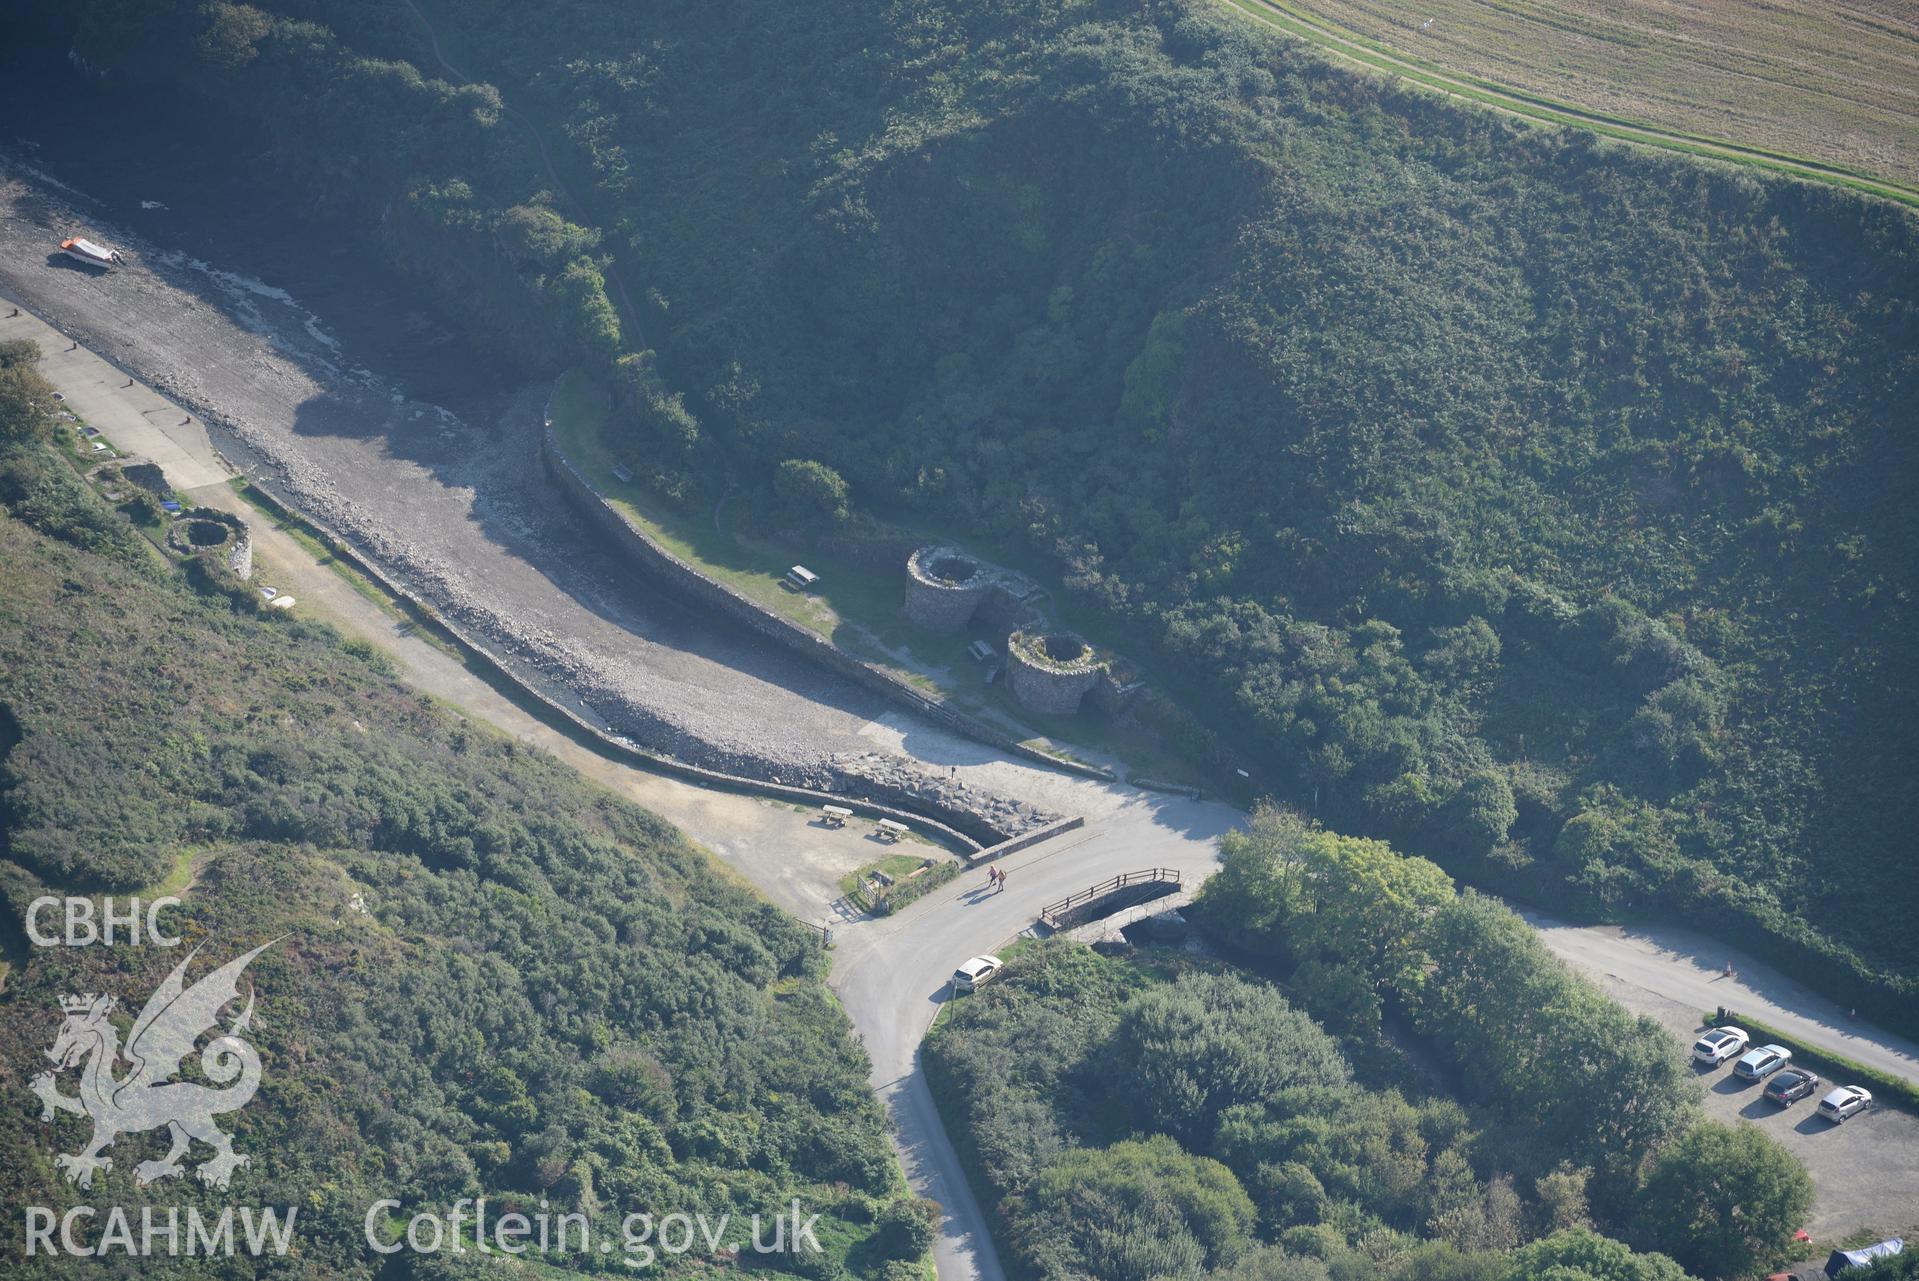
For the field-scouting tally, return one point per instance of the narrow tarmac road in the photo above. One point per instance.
(892, 974)
(1648, 966)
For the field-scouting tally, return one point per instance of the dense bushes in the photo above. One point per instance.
(1581, 1088)
(35, 486)
(1432, 459)
(1595, 1085)
(1130, 1212)
(1192, 1050)
(430, 169)
(24, 395)
(495, 979)
(810, 494)
(1129, 1122)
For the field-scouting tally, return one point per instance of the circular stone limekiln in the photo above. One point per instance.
(214, 535)
(1050, 672)
(943, 587)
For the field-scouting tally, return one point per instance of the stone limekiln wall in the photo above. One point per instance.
(944, 588)
(1046, 684)
(236, 549)
(942, 600)
(664, 568)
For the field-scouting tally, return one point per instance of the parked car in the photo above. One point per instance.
(969, 976)
(1760, 1063)
(1720, 1044)
(1788, 1087)
(1843, 1102)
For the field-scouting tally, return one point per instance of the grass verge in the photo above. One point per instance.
(317, 545)
(849, 595)
(910, 886)
(857, 886)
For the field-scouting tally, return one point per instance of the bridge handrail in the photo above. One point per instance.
(1050, 913)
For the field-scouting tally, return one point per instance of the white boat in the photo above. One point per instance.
(91, 254)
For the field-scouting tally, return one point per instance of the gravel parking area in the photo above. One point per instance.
(1865, 1172)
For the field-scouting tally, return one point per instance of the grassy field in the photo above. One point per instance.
(1834, 83)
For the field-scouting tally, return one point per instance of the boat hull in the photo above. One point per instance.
(91, 254)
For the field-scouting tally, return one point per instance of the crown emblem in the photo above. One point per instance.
(149, 1094)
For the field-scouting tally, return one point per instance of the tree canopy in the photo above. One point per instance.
(1726, 1199)
(1527, 500)
(1157, 1116)
(1209, 1042)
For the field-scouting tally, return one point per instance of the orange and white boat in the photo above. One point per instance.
(91, 254)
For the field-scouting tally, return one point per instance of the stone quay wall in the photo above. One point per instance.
(688, 582)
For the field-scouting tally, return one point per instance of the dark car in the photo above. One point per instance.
(1790, 1086)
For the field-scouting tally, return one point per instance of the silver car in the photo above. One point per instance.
(1844, 1102)
(1758, 1064)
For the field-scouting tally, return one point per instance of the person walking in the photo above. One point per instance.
(1002, 881)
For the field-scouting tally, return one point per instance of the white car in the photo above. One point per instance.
(1843, 1102)
(1720, 1044)
(975, 972)
(1758, 1064)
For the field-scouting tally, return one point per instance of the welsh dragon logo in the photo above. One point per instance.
(147, 1097)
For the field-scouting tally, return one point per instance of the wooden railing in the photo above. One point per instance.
(1054, 913)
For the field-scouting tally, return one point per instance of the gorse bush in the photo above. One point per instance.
(493, 979)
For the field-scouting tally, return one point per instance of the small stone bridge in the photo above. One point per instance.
(1110, 896)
